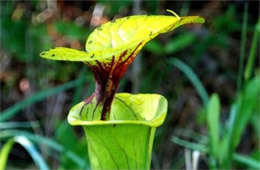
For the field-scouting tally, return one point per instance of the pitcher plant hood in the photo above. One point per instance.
(111, 48)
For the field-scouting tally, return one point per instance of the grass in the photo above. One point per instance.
(242, 47)
(13, 110)
(192, 77)
(27, 144)
(252, 52)
(222, 145)
(52, 144)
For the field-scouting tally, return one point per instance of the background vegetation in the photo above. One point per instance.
(220, 57)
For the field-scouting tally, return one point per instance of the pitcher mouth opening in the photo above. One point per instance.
(140, 109)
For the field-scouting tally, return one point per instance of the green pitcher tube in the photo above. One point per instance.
(125, 141)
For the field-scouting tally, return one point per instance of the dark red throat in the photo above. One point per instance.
(107, 77)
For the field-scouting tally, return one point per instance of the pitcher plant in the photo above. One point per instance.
(119, 128)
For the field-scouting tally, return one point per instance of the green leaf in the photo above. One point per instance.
(203, 148)
(124, 34)
(190, 145)
(255, 124)
(16, 125)
(227, 22)
(62, 53)
(191, 134)
(213, 114)
(38, 159)
(252, 53)
(46, 141)
(71, 30)
(124, 141)
(242, 47)
(247, 161)
(4, 153)
(180, 42)
(112, 8)
(245, 105)
(192, 77)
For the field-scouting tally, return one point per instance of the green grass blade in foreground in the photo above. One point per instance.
(203, 148)
(191, 134)
(247, 161)
(13, 110)
(15, 125)
(246, 104)
(252, 53)
(46, 141)
(192, 77)
(36, 156)
(4, 153)
(39, 161)
(242, 47)
(190, 145)
(213, 113)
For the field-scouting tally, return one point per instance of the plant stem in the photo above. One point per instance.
(242, 47)
(252, 53)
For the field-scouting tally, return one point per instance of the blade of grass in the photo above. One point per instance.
(36, 156)
(203, 148)
(242, 47)
(181, 132)
(192, 77)
(46, 141)
(213, 112)
(185, 8)
(39, 161)
(190, 145)
(245, 105)
(252, 52)
(15, 125)
(13, 110)
(180, 42)
(4, 153)
(246, 160)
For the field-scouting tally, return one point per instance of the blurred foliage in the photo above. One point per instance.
(17, 33)
(37, 94)
(71, 30)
